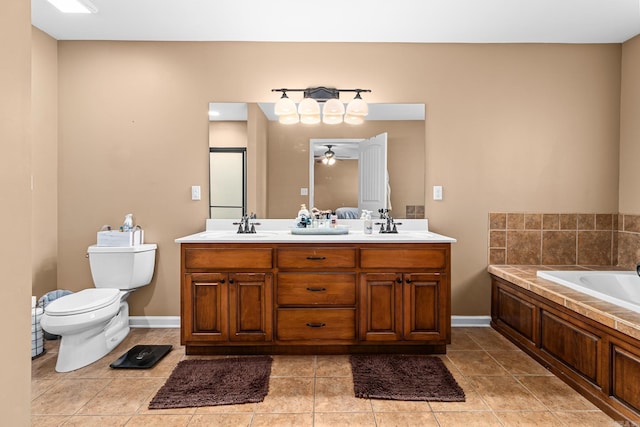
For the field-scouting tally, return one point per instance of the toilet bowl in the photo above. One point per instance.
(93, 321)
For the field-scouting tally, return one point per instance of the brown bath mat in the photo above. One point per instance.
(213, 382)
(399, 377)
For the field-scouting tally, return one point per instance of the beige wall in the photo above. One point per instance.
(15, 214)
(257, 161)
(44, 96)
(228, 134)
(335, 186)
(509, 127)
(630, 129)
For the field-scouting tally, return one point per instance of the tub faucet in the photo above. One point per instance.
(638, 268)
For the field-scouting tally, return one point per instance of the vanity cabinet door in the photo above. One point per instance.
(205, 314)
(380, 306)
(250, 306)
(423, 306)
(396, 306)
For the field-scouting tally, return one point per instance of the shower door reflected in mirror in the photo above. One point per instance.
(228, 188)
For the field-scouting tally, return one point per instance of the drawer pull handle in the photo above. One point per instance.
(316, 258)
(316, 325)
(316, 289)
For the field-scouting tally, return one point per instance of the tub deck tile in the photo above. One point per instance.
(618, 318)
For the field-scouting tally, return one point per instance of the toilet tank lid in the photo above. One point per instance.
(94, 249)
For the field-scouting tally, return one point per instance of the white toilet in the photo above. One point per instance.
(93, 321)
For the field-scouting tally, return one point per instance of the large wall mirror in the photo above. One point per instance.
(284, 162)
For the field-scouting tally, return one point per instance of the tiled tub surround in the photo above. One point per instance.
(591, 344)
(564, 239)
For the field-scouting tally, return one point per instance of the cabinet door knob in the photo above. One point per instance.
(316, 289)
(316, 325)
(399, 280)
(408, 281)
(231, 281)
(316, 258)
(222, 281)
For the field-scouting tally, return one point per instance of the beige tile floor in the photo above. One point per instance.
(503, 386)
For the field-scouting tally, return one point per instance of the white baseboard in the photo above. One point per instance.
(154, 321)
(470, 321)
(174, 321)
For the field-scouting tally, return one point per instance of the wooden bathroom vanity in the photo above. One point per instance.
(329, 294)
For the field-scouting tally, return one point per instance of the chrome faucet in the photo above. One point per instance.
(638, 268)
(245, 226)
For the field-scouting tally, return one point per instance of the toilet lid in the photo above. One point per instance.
(82, 302)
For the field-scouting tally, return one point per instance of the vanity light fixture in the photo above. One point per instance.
(333, 111)
(74, 6)
(329, 156)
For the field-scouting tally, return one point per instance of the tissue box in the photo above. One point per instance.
(120, 238)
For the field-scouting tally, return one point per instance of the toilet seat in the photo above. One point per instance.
(82, 302)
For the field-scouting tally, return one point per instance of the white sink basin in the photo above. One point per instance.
(412, 235)
(233, 235)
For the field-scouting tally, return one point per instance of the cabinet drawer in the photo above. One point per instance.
(316, 289)
(403, 258)
(228, 258)
(316, 324)
(317, 258)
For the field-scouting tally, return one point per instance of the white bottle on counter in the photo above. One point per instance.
(368, 223)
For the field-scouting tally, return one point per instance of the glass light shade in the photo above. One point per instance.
(289, 119)
(333, 106)
(325, 160)
(310, 119)
(285, 106)
(331, 161)
(353, 120)
(309, 106)
(357, 107)
(332, 119)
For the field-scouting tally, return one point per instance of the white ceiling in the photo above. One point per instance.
(412, 21)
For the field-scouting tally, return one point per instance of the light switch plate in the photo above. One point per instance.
(195, 192)
(437, 192)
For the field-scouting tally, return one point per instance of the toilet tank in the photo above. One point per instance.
(125, 267)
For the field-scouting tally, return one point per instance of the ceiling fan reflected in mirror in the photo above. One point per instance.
(329, 156)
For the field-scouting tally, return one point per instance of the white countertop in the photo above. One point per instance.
(279, 231)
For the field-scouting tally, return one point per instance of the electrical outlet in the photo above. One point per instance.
(195, 192)
(304, 191)
(437, 192)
